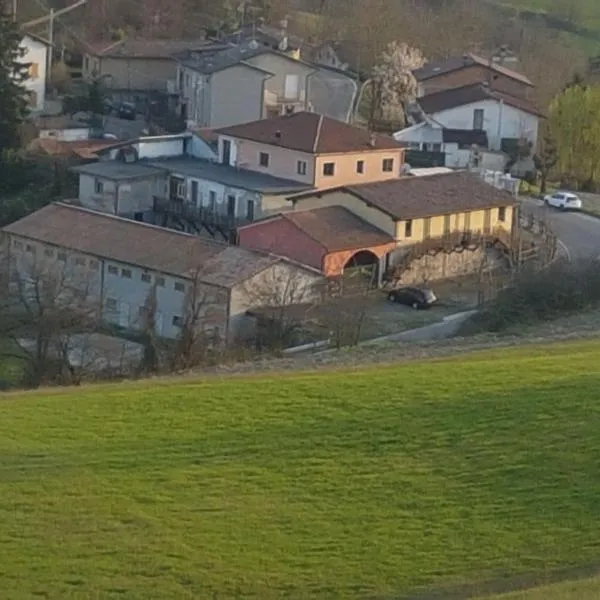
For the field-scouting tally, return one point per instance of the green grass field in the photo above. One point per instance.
(334, 485)
(587, 589)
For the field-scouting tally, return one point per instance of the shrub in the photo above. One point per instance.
(532, 296)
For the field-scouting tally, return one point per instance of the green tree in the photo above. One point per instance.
(13, 74)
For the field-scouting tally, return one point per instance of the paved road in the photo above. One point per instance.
(580, 233)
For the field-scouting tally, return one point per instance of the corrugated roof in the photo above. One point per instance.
(336, 228)
(419, 197)
(468, 94)
(139, 244)
(454, 63)
(311, 133)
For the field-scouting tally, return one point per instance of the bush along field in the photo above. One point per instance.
(374, 483)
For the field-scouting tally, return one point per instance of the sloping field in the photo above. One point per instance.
(588, 589)
(340, 485)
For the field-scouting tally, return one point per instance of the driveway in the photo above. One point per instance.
(580, 233)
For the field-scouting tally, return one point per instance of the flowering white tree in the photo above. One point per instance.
(394, 84)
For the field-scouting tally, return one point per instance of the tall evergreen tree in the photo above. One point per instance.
(13, 74)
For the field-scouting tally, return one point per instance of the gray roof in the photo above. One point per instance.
(230, 176)
(221, 57)
(117, 170)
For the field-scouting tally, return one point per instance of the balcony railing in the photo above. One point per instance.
(198, 216)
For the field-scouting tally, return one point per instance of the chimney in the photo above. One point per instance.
(372, 140)
(278, 136)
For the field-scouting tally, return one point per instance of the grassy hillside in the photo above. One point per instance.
(337, 485)
(588, 589)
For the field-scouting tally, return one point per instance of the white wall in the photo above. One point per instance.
(500, 121)
(420, 134)
(159, 148)
(36, 53)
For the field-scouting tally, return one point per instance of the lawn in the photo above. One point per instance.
(587, 589)
(336, 485)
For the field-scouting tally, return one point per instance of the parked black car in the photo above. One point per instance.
(126, 111)
(418, 298)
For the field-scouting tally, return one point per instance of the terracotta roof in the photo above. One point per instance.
(143, 48)
(312, 133)
(454, 63)
(139, 244)
(418, 197)
(336, 228)
(468, 94)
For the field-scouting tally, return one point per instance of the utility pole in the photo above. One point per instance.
(51, 45)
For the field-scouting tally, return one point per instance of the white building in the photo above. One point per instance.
(36, 55)
(123, 264)
(478, 107)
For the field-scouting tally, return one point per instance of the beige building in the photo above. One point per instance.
(312, 149)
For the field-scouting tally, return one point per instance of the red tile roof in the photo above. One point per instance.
(311, 133)
(336, 228)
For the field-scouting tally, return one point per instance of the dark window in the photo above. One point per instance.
(80, 262)
(231, 206)
(49, 253)
(408, 228)
(30, 248)
(263, 159)
(426, 228)
(146, 277)
(212, 201)
(93, 264)
(301, 167)
(113, 270)
(160, 281)
(18, 245)
(478, 119)
(179, 287)
(250, 210)
(329, 169)
(360, 166)
(502, 214)
(111, 304)
(138, 216)
(62, 256)
(226, 152)
(177, 321)
(126, 273)
(437, 147)
(98, 186)
(388, 165)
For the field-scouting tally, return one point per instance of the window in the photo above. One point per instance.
(468, 221)
(93, 264)
(113, 270)
(29, 248)
(177, 321)
(263, 159)
(146, 277)
(426, 228)
(446, 224)
(34, 71)
(502, 214)
(329, 169)
(179, 287)
(408, 228)
(160, 281)
(98, 186)
(388, 165)
(126, 273)
(80, 262)
(18, 245)
(301, 167)
(62, 256)
(360, 166)
(436, 147)
(111, 304)
(48, 253)
(212, 201)
(478, 116)
(138, 216)
(250, 210)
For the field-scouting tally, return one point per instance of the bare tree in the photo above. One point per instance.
(46, 311)
(394, 83)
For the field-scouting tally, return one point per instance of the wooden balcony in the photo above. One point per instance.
(200, 219)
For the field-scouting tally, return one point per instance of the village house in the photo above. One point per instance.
(312, 149)
(381, 223)
(123, 266)
(36, 56)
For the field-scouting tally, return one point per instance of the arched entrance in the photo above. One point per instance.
(362, 269)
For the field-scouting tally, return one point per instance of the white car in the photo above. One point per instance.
(564, 201)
